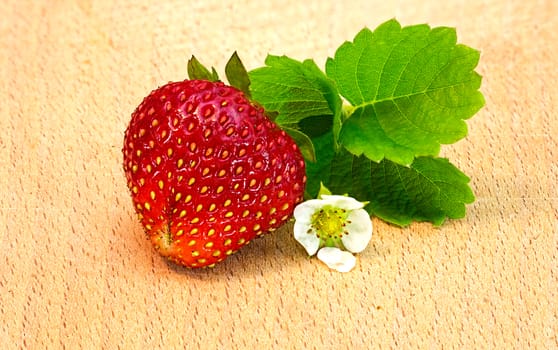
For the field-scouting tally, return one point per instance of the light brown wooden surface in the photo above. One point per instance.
(77, 272)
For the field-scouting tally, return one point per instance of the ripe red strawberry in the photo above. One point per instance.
(208, 171)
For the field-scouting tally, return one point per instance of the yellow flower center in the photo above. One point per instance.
(328, 224)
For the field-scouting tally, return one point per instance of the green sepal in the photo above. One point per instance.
(196, 70)
(323, 191)
(303, 142)
(237, 75)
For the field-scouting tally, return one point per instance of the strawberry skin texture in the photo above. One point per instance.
(208, 171)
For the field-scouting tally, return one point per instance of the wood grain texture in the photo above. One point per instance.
(75, 268)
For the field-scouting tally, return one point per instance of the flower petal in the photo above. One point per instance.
(305, 210)
(342, 202)
(309, 241)
(337, 259)
(359, 229)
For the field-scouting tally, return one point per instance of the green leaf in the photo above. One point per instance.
(296, 90)
(332, 169)
(411, 89)
(319, 171)
(196, 70)
(431, 189)
(237, 75)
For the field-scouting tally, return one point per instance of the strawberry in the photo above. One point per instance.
(208, 171)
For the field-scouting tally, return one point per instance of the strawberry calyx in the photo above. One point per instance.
(235, 71)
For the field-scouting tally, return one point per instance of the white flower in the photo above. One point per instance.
(338, 225)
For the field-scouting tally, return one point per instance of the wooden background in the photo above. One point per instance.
(77, 272)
